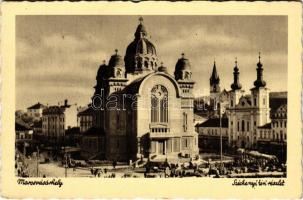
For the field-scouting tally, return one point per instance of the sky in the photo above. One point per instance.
(57, 57)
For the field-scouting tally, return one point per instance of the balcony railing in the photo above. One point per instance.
(159, 129)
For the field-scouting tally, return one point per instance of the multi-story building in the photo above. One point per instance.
(145, 111)
(37, 130)
(86, 118)
(53, 128)
(272, 136)
(35, 111)
(55, 119)
(279, 124)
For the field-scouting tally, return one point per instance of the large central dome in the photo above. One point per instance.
(141, 53)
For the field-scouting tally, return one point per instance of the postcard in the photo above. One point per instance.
(151, 100)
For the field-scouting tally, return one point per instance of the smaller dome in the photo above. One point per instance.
(183, 64)
(102, 71)
(116, 60)
(162, 68)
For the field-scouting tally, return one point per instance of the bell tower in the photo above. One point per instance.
(260, 97)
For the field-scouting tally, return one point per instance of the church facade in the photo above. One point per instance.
(247, 112)
(246, 115)
(142, 110)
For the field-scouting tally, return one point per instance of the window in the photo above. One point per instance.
(169, 146)
(186, 143)
(285, 124)
(247, 126)
(255, 123)
(176, 144)
(238, 126)
(159, 104)
(146, 64)
(243, 125)
(118, 120)
(264, 101)
(255, 101)
(231, 103)
(185, 121)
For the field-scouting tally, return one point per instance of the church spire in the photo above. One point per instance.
(259, 82)
(236, 85)
(214, 80)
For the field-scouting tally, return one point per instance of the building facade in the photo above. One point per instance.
(86, 119)
(145, 111)
(55, 120)
(247, 112)
(254, 121)
(210, 134)
(53, 124)
(35, 111)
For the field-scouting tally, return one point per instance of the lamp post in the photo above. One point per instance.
(221, 139)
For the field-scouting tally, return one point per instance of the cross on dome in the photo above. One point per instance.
(141, 20)
(116, 50)
(259, 56)
(183, 55)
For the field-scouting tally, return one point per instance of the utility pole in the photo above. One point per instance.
(37, 161)
(65, 165)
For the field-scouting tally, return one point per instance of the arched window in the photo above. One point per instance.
(146, 64)
(247, 126)
(243, 125)
(159, 104)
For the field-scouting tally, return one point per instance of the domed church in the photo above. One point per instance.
(142, 110)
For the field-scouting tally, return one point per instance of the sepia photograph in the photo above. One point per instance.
(151, 96)
(151, 100)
